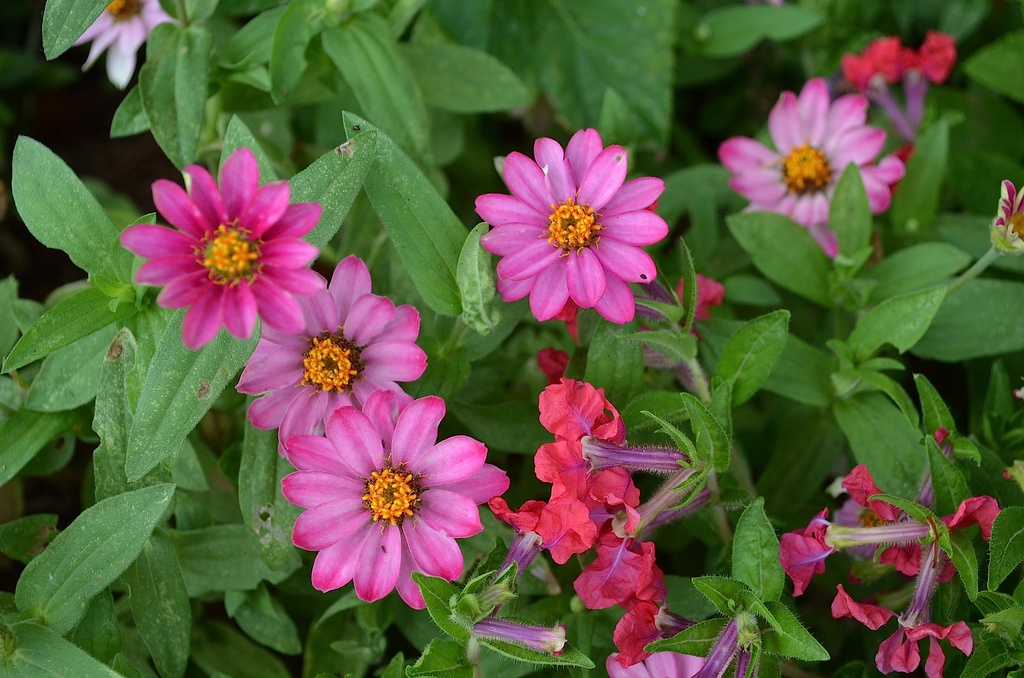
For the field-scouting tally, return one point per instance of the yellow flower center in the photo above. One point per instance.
(391, 495)
(806, 170)
(572, 226)
(230, 254)
(1016, 224)
(331, 363)
(869, 518)
(124, 9)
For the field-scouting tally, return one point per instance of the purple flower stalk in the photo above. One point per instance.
(603, 454)
(550, 640)
(722, 653)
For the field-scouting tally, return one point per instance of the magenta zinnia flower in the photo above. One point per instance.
(572, 229)
(385, 499)
(123, 26)
(814, 142)
(236, 252)
(353, 343)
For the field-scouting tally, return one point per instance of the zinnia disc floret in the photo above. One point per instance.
(573, 227)
(120, 30)
(384, 499)
(352, 344)
(814, 140)
(234, 253)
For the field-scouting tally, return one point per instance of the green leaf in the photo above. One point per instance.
(25, 434)
(569, 656)
(173, 84)
(724, 593)
(900, 321)
(442, 658)
(690, 289)
(25, 538)
(802, 373)
(965, 558)
(671, 344)
(933, 407)
(265, 511)
(264, 619)
(68, 321)
(221, 558)
(882, 439)
(696, 640)
(239, 136)
(98, 633)
(982, 318)
(666, 404)
(64, 21)
(915, 205)
(334, 181)
(476, 284)
(755, 553)
(510, 426)
(613, 365)
(710, 436)
(217, 647)
(850, 214)
(292, 35)
(791, 638)
(461, 79)
(160, 604)
(41, 652)
(1008, 621)
(948, 482)
(438, 593)
(90, 554)
(426, 234)
(49, 197)
(367, 56)
(1006, 550)
(750, 355)
(129, 118)
(785, 253)
(1000, 66)
(989, 656)
(915, 268)
(181, 385)
(396, 668)
(70, 376)
(731, 31)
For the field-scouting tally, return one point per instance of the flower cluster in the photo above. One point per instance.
(122, 28)
(911, 546)
(814, 140)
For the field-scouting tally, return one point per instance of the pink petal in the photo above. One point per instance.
(353, 435)
(826, 239)
(367, 317)
(508, 239)
(629, 263)
(581, 150)
(452, 460)
(312, 488)
(202, 320)
(499, 209)
(320, 313)
(451, 512)
(178, 209)
(858, 146)
(382, 410)
(551, 159)
(634, 228)
(530, 261)
(784, 124)
(288, 253)
(379, 563)
(162, 270)
(617, 304)
(405, 326)
(267, 412)
(203, 191)
(268, 205)
(148, 240)
(277, 308)
(490, 481)
(238, 310)
(407, 588)
(270, 370)
(305, 414)
(813, 105)
(335, 566)
(298, 220)
(329, 522)
(548, 293)
(183, 290)
(763, 186)
(603, 178)
(435, 553)
(526, 180)
(742, 154)
(416, 430)
(847, 112)
(395, 360)
(585, 278)
(239, 179)
(634, 195)
(351, 280)
(514, 290)
(300, 281)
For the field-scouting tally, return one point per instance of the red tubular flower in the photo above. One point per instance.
(552, 363)
(981, 511)
(803, 553)
(623, 571)
(871, 616)
(900, 652)
(563, 523)
(860, 485)
(573, 409)
(634, 631)
(936, 57)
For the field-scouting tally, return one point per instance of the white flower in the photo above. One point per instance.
(123, 26)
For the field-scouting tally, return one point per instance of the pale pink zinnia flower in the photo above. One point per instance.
(385, 499)
(123, 26)
(236, 252)
(1008, 225)
(353, 343)
(814, 142)
(572, 229)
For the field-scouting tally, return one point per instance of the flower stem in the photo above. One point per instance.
(970, 274)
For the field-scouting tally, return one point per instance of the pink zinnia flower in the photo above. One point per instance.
(236, 252)
(123, 26)
(1007, 228)
(657, 665)
(572, 228)
(352, 344)
(814, 142)
(385, 499)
